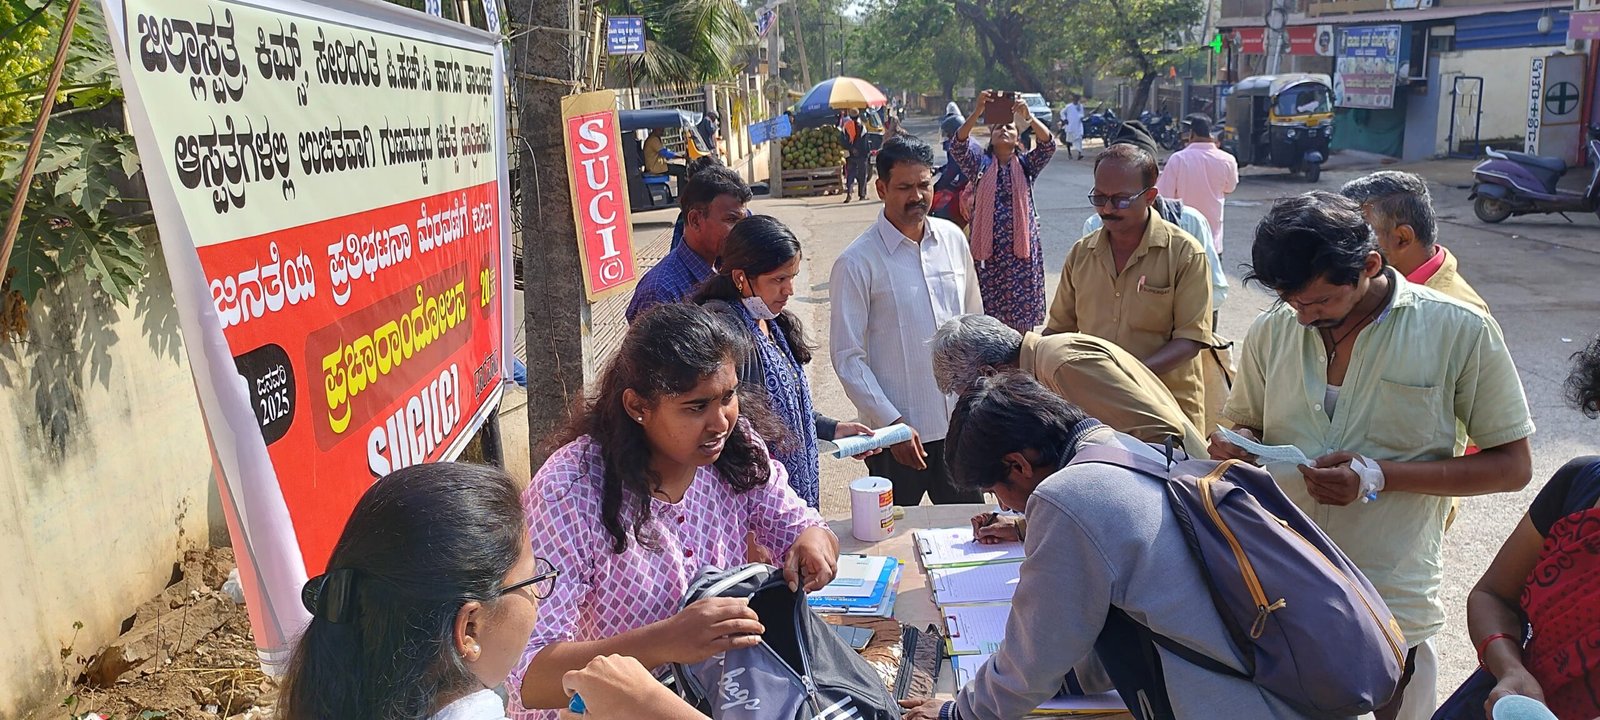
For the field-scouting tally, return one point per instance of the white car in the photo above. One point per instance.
(1041, 109)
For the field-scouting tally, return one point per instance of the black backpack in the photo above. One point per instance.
(801, 669)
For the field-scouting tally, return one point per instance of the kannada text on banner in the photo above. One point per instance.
(341, 185)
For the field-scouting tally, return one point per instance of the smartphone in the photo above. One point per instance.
(857, 638)
(1001, 109)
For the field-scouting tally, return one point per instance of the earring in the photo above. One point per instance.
(639, 419)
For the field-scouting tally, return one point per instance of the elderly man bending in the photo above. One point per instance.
(1093, 373)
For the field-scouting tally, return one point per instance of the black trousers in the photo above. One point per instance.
(855, 173)
(910, 485)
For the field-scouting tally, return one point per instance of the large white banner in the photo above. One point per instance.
(329, 179)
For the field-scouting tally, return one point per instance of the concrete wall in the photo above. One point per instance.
(1505, 90)
(105, 478)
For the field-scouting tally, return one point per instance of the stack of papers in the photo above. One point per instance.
(865, 585)
(966, 667)
(973, 584)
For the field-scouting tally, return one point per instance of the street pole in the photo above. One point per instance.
(774, 86)
(553, 295)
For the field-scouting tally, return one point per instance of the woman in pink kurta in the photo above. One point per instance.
(663, 479)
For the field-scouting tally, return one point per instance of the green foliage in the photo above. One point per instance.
(918, 45)
(20, 57)
(77, 218)
(686, 41)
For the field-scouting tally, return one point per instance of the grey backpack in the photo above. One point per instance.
(800, 670)
(1310, 627)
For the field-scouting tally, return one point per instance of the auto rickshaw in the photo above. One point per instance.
(648, 191)
(1281, 121)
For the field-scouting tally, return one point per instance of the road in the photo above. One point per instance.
(1536, 274)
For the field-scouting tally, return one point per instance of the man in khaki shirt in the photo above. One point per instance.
(1139, 281)
(1399, 208)
(1369, 376)
(1109, 384)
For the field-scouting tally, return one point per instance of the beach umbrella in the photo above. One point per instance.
(840, 93)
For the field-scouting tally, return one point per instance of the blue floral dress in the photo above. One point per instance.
(772, 366)
(1012, 287)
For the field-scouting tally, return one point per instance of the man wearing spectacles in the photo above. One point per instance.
(1140, 281)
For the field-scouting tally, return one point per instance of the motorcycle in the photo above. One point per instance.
(1100, 124)
(1510, 183)
(1162, 129)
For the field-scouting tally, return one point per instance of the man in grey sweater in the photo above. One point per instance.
(1097, 536)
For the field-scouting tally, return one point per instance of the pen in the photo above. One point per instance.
(1141, 283)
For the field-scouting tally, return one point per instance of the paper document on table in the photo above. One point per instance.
(966, 669)
(881, 438)
(975, 629)
(1267, 454)
(1082, 705)
(975, 584)
(955, 547)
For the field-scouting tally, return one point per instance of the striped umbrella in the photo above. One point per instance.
(840, 93)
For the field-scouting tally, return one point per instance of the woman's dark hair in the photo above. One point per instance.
(1318, 234)
(421, 542)
(668, 350)
(1583, 385)
(758, 245)
(1007, 413)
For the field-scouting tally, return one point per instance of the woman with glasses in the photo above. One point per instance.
(660, 478)
(750, 292)
(427, 601)
(1005, 228)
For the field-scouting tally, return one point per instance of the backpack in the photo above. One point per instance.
(801, 669)
(1310, 628)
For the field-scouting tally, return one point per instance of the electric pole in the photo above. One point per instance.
(553, 296)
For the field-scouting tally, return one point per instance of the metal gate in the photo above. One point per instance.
(1466, 116)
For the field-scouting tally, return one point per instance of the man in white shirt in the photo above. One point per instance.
(1201, 174)
(1072, 126)
(892, 289)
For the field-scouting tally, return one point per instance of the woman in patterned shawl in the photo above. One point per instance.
(1005, 228)
(760, 259)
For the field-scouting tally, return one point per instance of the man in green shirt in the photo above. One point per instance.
(1368, 375)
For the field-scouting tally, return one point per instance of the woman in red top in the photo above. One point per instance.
(1544, 586)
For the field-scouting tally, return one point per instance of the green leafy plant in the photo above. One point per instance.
(83, 207)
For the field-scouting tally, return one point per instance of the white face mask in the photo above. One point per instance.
(758, 308)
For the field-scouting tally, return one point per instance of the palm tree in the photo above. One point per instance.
(687, 41)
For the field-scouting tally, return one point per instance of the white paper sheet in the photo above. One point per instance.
(881, 438)
(975, 584)
(975, 629)
(1268, 454)
(954, 547)
(966, 668)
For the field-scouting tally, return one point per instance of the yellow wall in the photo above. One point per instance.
(105, 478)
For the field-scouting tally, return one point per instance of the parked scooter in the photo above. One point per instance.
(1512, 183)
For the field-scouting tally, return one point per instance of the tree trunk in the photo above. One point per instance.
(1004, 47)
(553, 284)
(1141, 94)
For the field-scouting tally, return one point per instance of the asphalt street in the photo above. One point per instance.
(1538, 276)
